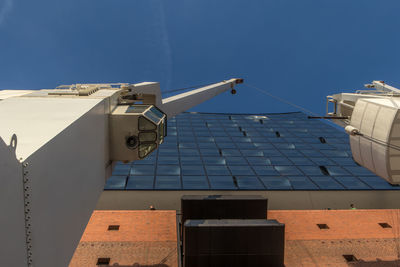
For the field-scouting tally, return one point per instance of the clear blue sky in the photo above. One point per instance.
(298, 50)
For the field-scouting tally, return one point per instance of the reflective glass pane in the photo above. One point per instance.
(258, 161)
(168, 182)
(273, 182)
(195, 182)
(265, 170)
(326, 183)
(193, 170)
(288, 170)
(116, 183)
(377, 183)
(168, 170)
(222, 182)
(249, 183)
(241, 170)
(142, 170)
(140, 182)
(217, 170)
(235, 161)
(302, 183)
(214, 160)
(352, 183)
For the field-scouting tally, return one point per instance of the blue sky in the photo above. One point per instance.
(297, 50)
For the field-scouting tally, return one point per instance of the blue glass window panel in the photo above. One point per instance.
(246, 146)
(277, 140)
(235, 133)
(168, 160)
(171, 134)
(271, 153)
(219, 134)
(265, 170)
(235, 161)
(187, 145)
(202, 133)
(251, 153)
(209, 152)
(168, 182)
(168, 152)
(227, 145)
(326, 183)
(291, 153)
(322, 147)
(207, 145)
(377, 183)
(142, 170)
(241, 139)
(351, 182)
(285, 146)
(334, 153)
(268, 134)
(311, 153)
(336, 171)
(264, 146)
(192, 170)
(342, 146)
(214, 160)
(359, 171)
(301, 146)
(241, 170)
(258, 161)
(122, 170)
(252, 134)
(168, 170)
(186, 139)
(223, 139)
(302, 134)
(288, 170)
(146, 161)
(194, 182)
(301, 161)
(322, 161)
(116, 183)
(185, 136)
(311, 170)
(302, 183)
(249, 183)
(190, 160)
(280, 161)
(140, 182)
(311, 140)
(273, 182)
(171, 145)
(230, 152)
(217, 170)
(222, 182)
(189, 152)
(344, 161)
(205, 139)
(259, 140)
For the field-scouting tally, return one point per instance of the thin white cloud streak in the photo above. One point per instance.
(5, 10)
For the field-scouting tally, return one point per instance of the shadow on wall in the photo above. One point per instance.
(140, 265)
(377, 263)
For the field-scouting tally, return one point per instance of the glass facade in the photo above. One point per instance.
(248, 152)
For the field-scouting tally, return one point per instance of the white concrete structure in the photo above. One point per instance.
(55, 159)
(373, 123)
